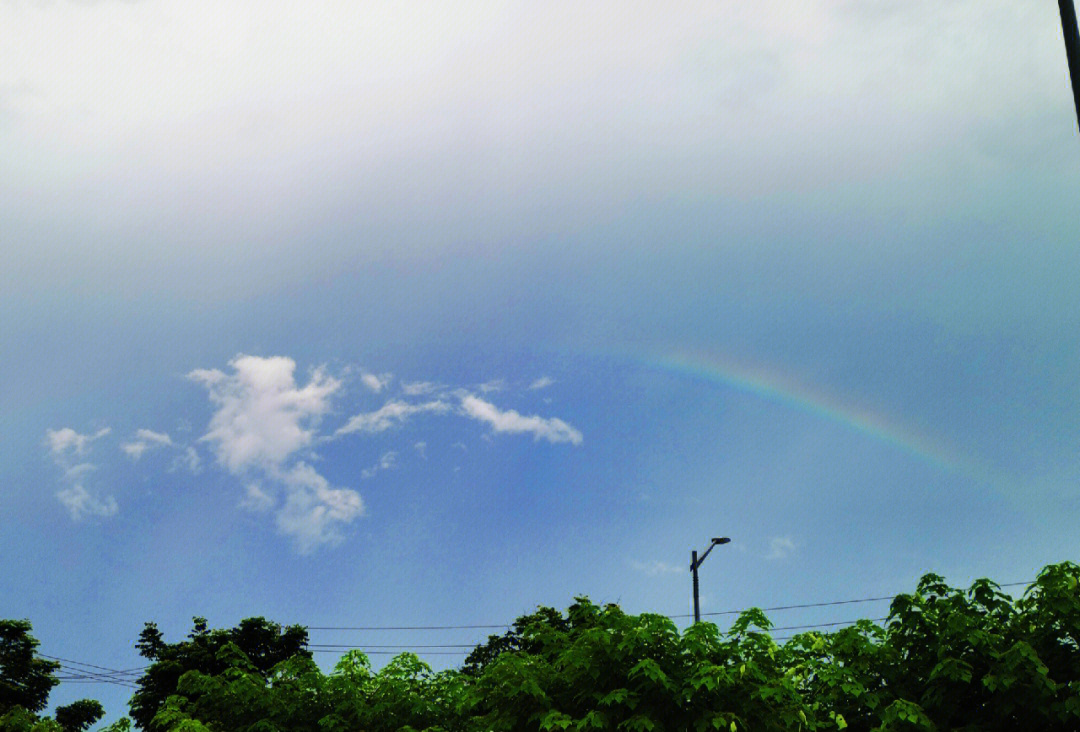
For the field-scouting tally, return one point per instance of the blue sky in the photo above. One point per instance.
(382, 315)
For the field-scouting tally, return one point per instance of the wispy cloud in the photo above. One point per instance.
(541, 383)
(390, 415)
(66, 440)
(494, 385)
(418, 388)
(551, 429)
(655, 567)
(189, 459)
(780, 547)
(256, 499)
(376, 382)
(145, 440)
(80, 503)
(387, 462)
(64, 444)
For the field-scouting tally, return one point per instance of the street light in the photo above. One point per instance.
(694, 564)
(1072, 48)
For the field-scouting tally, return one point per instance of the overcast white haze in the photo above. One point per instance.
(404, 314)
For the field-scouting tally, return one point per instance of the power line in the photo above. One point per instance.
(80, 671)
(775, 608)
(332, 646)
(390, 653)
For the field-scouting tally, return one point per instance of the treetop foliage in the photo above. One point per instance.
(25, 683)
(944, 659)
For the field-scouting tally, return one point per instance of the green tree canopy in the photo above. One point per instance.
(25, 679)
(262, 644)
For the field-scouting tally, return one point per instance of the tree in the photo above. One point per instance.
(263, 645)
(25, 679)
(25, 683)
(77, 716)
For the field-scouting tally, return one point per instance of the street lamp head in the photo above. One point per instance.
(721, 540)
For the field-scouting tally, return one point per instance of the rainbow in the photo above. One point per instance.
(787, 391)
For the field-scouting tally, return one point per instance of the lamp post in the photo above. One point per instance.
(1072, 48)
(694, 564)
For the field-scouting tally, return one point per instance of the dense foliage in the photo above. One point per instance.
(262, 644)
(25, 683)
(945, 659)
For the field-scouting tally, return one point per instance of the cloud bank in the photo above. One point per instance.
(266, 428)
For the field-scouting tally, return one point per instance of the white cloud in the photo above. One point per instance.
(256, 499)
(389, 415)
(314, 511)
(66, 439)
(263, 418)
(418, 388)
(190, 460)
(421, 449)
(493, 385)
(542, 382)
(552, 429)
(655, 567)
(80, 503)
(387, 462)
(144, 440)
(376, 383)
(780, 547)
(76, 472)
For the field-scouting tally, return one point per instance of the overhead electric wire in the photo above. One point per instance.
(93, 673)
(86, 674)
(775, 608)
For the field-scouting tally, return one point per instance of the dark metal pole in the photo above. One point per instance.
(697, 605)
(1072, 48)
